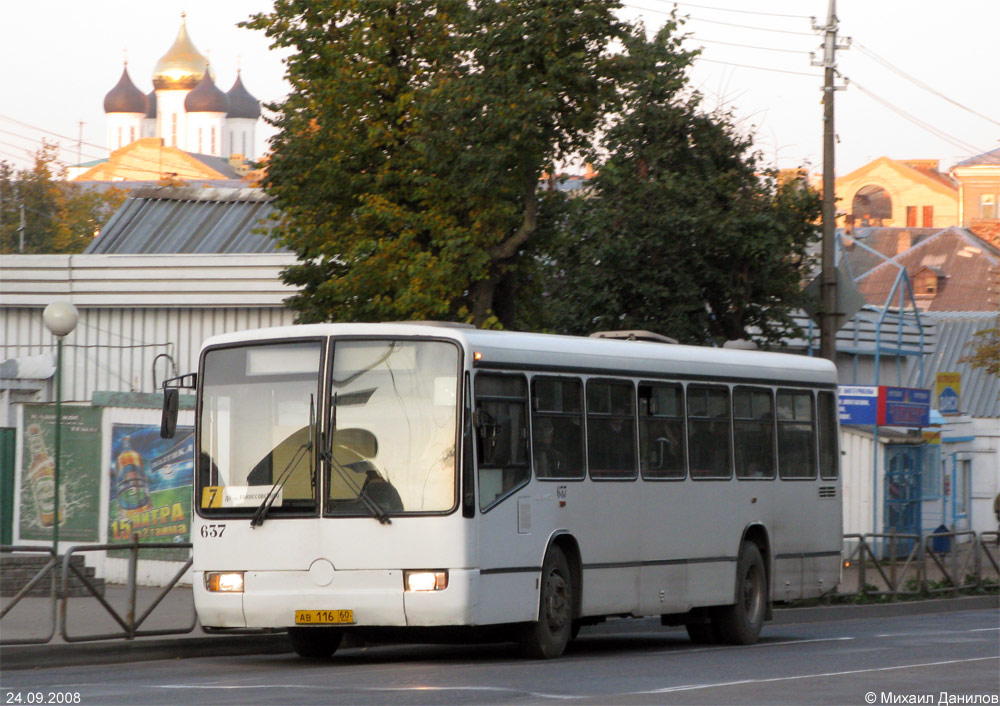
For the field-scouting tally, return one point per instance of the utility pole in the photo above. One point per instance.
(79, 145)
(828, 275)
(21, 228)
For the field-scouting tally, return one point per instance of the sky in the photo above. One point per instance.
(58, 58)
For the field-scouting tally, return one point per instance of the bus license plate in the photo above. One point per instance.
(324, 617)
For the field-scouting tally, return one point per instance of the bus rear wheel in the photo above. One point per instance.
(548, 636)
(315, 643)
(741, 622)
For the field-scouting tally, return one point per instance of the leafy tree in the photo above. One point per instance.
(684, 232)
(408, 155)
(59, 216)
(987, 351)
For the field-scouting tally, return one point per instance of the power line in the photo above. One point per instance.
(940, 134)
(757, 68)
(134, 158)
(748, 46)
(917, 82)
(42, 142)
(719, 22)
(742, 12)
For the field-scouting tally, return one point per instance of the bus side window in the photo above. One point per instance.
(611, 429)
(829, 450)
(557, 427)
(501, 435)
(709, 438)
(796, 434)
(753, 432)
(661, 431)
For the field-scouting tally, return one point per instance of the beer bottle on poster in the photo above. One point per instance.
(133, 488)
(42, 476)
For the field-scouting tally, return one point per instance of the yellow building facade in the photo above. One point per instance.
(897, 193)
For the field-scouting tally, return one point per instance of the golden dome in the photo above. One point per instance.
(182, 67)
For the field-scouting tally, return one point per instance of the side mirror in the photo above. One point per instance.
(168, 420)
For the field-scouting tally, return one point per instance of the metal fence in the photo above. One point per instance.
(59, 570)
(938, 563)
(947, 562)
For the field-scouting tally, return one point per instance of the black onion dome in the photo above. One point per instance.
(206, 97)
(151, 97)
(241, 103)
(125, 97)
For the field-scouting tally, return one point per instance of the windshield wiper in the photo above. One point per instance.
(272, 494)
(261, 513)
(370, 504)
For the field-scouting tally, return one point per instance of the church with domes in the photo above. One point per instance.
(185, 109)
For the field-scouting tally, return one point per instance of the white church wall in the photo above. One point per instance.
(205, 133)
(123, 128)
(171, 120)
(239, 136)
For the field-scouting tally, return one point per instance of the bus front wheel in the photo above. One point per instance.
(548, 636)
(741, 622)
(315, 643)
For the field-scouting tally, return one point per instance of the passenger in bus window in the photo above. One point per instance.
(549, 461)
(612, 448)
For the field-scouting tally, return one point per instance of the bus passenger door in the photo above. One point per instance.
(509, 562)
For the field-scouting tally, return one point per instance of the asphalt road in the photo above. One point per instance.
(876, 660)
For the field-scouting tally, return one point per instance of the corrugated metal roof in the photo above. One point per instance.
(955, 332)
(174, 220)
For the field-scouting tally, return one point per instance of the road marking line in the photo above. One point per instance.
(695, 687)
(781, 643)
(363, 689)
(933, 632)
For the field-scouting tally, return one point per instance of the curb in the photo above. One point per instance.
(816, 614)
(106, 652)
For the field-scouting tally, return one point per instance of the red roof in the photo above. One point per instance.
(968, 266)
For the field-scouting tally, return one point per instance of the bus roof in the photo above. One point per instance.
(514, 350)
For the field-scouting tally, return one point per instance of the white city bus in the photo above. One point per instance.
(382, 479)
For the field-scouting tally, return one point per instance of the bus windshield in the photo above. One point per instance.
(394, 414)
(258, 407)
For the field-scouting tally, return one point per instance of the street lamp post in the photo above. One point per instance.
(60, 318)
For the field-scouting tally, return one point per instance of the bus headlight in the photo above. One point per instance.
(425, 580)
(224, 581)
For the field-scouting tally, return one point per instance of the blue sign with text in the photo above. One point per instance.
(858, 404)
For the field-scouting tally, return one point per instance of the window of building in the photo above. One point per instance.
(870, 206)
(213, 142)
(911, 216)
(709, 438)
(753, 432)
(662, 452)
(557, 427)
(501, 420)
(200, 150)
(988, 206)
(928, 216)
(796, 434)
(829, 448)
(173, 129)
(611, 429)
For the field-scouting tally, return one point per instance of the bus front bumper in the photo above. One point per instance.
(270, 599)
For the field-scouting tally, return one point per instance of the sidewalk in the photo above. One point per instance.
(31, 618)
